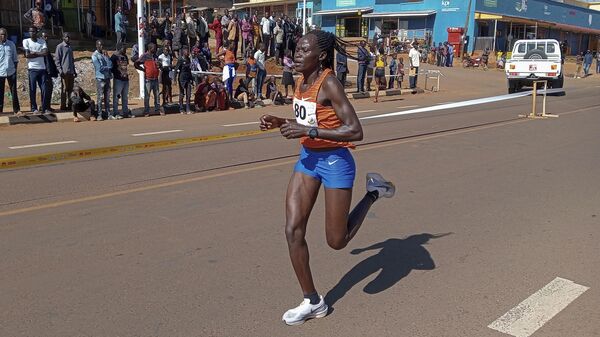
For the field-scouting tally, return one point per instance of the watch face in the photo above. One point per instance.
(313, 133)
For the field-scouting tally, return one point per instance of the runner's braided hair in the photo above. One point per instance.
(329, 43)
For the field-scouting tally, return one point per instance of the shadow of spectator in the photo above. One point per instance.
(395, 260)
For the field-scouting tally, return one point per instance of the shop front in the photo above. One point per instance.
(348, 22)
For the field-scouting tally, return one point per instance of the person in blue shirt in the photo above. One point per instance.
(103, 70)
(587, 62)
(8, 71)
(120, 25)
(342, 66)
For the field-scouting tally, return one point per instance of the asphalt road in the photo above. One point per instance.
(189, 241)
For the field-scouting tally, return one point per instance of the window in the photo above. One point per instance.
(551, 49)
(521, 48)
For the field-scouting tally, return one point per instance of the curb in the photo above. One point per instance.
(57, 157)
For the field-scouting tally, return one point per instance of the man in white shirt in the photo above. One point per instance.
(414, 57)
(261, 74)
(35, 52)
(265, 24)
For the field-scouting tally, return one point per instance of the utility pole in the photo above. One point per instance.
(462, 40)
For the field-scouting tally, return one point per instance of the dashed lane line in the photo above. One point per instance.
(41, 144)
(535, 311)
(155, 133)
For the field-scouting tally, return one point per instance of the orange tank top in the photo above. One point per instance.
(309, 112)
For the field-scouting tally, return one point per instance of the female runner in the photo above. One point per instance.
(326, 123)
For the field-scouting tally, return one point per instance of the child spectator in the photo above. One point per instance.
(80, 102)
(166, 65)
(243, 94)
(273, 92)
(288, 67)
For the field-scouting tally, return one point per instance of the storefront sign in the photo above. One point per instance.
(345, 3)
(521, 6)
(490, 3)
(447, 6)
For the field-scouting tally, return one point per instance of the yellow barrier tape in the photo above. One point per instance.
(55, 157)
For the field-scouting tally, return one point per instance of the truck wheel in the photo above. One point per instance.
(535, 54)
(511, 87)
(559, 82)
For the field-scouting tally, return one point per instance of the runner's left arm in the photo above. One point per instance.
(331, 93)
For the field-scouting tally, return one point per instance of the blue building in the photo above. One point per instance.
(496, 24)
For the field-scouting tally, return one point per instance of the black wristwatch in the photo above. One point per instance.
(313, 133)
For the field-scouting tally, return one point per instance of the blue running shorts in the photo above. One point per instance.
(334, 168)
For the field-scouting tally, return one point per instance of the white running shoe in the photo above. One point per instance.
(305, 311)
(375, 182)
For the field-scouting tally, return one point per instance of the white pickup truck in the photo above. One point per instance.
(534, 60)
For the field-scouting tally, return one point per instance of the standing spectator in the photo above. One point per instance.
(51, 73)
(196, 61)
(225, 19)
(35, 52)
(278, 35)
(192, 29)
(393, 70)
(251, 70)
(234, 35)
(120, 61)
(288, 67)
(203, 32)
(228, 68)
(598, 62)
(414, 58)
(363, 62)
(8, 71)
(400, 76)
(256, 31)
(149, 65)
(444, 54)
(259, 56)
(35, 16)
(341, 66)
(587, 62)
(272, 45)
(185, 79)
(485, 58)
(166, 65)
(450, 57)
(65, 63)
(371, 66)
(218, 28)
(120, 26)
(265, 24)
(90, 19)
(439, 55)
(247, 32)
(205, 51)
(380, 64)
(578, 63)
(103, 67)
(80, 101)
(290, 36)
(178, 39)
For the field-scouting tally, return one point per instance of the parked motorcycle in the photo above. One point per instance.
(468, 61)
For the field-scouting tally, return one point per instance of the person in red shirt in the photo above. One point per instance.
(148, 63)
(218, 28)
(326, 123)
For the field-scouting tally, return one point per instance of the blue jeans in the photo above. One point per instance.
(362, 72)
(151, 86)
(597, 66)
(586, 69)
(229, 82)
(37, 77)
(412, 80)
(103, 95)
(260, 80)
(121, 88)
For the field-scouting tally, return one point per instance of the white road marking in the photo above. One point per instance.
(155, 133)
(41, 144)
(456, 105)
(238, 124)
(359, 112)
(531, 314)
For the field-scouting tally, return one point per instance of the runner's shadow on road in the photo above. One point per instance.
(395, 260)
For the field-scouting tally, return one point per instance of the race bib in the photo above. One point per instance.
(305, 112)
